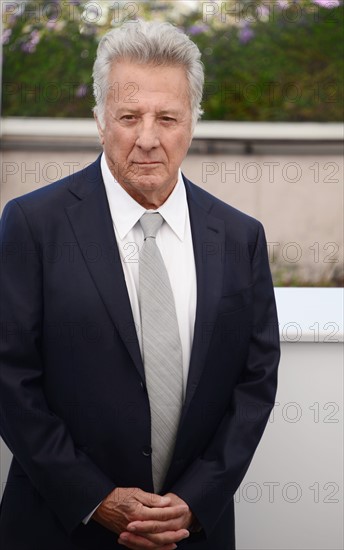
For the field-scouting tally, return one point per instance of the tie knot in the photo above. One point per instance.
(151, 223)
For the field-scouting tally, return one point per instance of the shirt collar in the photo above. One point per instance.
(126, 212)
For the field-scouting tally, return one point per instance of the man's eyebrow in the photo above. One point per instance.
(168, 112)
(127, 110)
(162, 112)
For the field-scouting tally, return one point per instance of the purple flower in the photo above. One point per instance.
(197, 29)
(30, 45)
(51, 24)
(81, 90)
(245, 34)
(27, 47)
(329, 4)
(6, 36)
(35, 37)
(264, 12)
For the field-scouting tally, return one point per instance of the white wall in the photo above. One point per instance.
(291, 497)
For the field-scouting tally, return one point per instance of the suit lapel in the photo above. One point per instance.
(208, 236)
(92, 225)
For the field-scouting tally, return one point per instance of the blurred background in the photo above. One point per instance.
(264, 61)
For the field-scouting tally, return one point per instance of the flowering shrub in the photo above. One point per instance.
(265, 60)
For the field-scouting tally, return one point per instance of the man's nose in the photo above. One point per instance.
(148, 137)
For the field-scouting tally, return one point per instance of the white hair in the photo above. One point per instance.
(148, 42)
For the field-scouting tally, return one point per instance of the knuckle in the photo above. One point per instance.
(165, 539)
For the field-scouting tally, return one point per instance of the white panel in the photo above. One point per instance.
(291, 497)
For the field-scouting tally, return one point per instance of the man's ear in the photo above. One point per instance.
(100, 129)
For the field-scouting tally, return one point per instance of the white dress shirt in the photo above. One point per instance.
(174, 240)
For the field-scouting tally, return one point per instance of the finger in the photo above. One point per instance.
(161, 539)
(152, 500)
(154, 526)
(135, 542)
(167, 537)
(162, 514)
(154, 547)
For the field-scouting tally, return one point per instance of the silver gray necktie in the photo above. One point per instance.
(162, 351)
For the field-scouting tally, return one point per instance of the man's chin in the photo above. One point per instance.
(148, 182)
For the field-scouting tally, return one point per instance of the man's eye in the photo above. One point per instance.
(168, 119)
(128, 117)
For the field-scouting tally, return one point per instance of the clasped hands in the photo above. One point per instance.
(145, 521)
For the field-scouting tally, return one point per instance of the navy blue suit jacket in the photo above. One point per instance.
(74, 404)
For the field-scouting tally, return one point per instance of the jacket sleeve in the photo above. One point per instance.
(212, 479)
(63, 475)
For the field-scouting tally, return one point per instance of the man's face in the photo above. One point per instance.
(147, 128)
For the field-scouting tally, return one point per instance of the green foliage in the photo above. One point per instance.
(274, 65)
(288, 276)
(54, 76)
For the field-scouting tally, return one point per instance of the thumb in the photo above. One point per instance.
(152, 500)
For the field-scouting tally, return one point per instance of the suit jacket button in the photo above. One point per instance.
(147, 450)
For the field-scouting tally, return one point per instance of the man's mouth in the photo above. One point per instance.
(145, 163)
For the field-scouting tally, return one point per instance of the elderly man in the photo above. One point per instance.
(138, 367)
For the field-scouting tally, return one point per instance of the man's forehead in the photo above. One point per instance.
(127, 69)
(126, 61)
(138, 109)
(135, 83)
